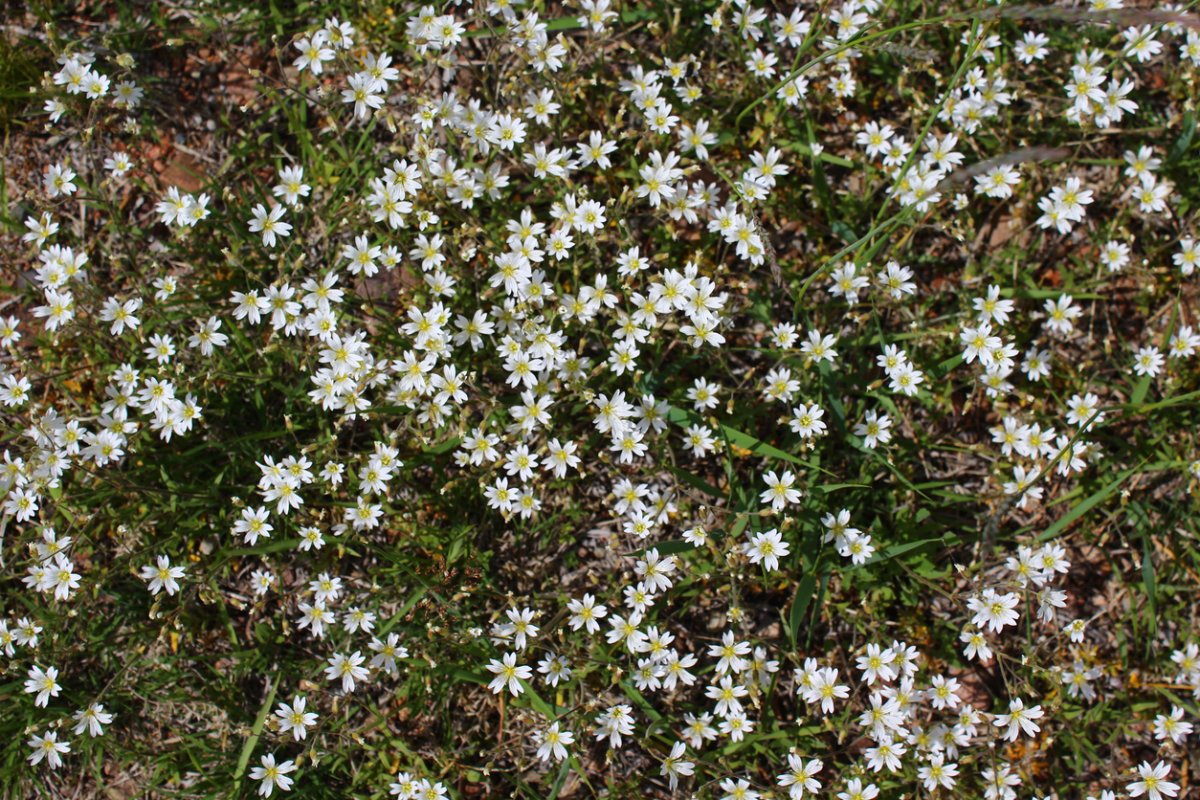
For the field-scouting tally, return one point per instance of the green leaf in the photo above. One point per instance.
(1086, 505)
(804, 595)
(1185, 139)
(843, 231)
(256, 731)
(1148, 579)
(640, 700)
(943, 369)
(1143, 527)
(897, 550)
(803, 148)
(695, 481)
(826, 488)
(559, 780)
(277, 546)
(535, 700)
(462, 675)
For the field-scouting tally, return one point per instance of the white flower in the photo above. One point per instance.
(118, 163)
(824, 689)
(44, 683)
(938, 774)
(994, 610)
(766, 548)
(313, 53)
(729, 653)
(91, 719)
(1019, 718)
(291, 186)
(269, 223)
(48, 747)
(363, 93)
(806, 421)
(508, 674)
(1153, 783)
(779, 492)
(294, 719)
(878, 663)
(1148, 361)
(386, 653)
(553, 741)
(875, 429)
(163, 576)
(738, 790)
(800, 776)
(272, 775)
(58, 180)
(348, 668)
(847, 284)
(1188, 257)
(675, 765)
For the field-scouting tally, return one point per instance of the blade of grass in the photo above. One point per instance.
(255, 732)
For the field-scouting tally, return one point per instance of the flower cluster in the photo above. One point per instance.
(519, 378)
